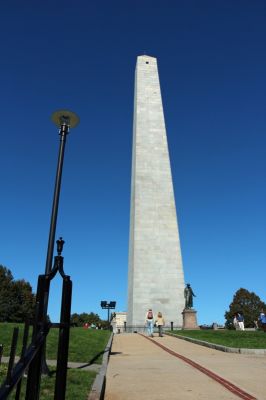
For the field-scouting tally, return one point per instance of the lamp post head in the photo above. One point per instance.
(65, 118)
(105, 304)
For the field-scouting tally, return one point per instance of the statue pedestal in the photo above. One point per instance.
(189, 319)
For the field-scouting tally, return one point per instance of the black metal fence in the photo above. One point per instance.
(32, 361)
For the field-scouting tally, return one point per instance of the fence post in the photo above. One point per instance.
(34, 375)
(24, 346)
(62, 353)
(1, 352)
(12, 355)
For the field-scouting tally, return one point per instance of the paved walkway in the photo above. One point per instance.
(140, 369)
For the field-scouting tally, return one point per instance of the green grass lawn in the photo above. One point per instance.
(229, 338)
(85, 345)
(78, 384)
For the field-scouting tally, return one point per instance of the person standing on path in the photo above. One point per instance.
(149, 322)
(160, 323)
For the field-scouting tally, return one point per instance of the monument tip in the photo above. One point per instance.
(146, 57)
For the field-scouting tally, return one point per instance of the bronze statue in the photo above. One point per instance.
(188, 294)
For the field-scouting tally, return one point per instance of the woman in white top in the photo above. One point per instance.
(160, 323)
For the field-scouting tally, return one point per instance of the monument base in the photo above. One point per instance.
(189, 319)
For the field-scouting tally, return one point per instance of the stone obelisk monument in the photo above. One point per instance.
(155, 276)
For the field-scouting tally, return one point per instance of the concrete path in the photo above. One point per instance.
(140, 369)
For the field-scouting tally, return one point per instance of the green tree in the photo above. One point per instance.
(16, 298)
(248, 303)
(74, 319)
(6, 279)
(81, 319)
(94, 318)
(23, 301)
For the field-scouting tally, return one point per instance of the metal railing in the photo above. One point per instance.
(125, 328)
(32, 357)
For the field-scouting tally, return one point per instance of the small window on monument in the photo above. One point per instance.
(147, 62)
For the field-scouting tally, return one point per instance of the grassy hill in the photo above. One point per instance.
(85, 345)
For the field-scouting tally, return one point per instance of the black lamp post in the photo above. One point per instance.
(108, 306)
(64, 120)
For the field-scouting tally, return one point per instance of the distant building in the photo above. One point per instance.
(118, 322)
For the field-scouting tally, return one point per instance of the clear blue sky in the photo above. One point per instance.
(81, 55)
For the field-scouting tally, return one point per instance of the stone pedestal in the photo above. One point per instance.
(189, 319)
